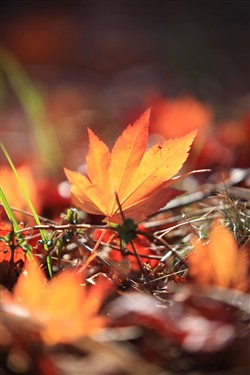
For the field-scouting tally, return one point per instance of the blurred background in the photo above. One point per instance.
(68, 65)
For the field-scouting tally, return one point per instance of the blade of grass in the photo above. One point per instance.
(8, 211)
(31, 207)
(13, 220)
(33, 106)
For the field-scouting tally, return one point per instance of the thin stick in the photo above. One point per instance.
(62, 227)
(94, 251)
(171, 249)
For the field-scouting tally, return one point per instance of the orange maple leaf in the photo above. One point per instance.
(219, 261)
(62, 308)
(176, 117)
(140, 178)
(12, 256)
(13, 191)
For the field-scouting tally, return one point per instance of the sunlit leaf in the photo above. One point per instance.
(175, 118)
(13, 190)
(63, 309)
(219, 261)
(140, 178)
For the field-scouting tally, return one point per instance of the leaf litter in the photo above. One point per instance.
(183, 309)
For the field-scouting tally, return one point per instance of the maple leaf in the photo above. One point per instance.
(140, 178)
(13, 191)
(62, 309)
(219, 261)
(12, 256)
(174, 118)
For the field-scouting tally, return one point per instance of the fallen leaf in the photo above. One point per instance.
(186, 326)
(12, 256)
(5, 251)
(219, 261)
(175, 118)
(62, 308)
(13, 191)
(140, 178)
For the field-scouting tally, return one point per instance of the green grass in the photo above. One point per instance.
(33, 106)
(30, 205)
